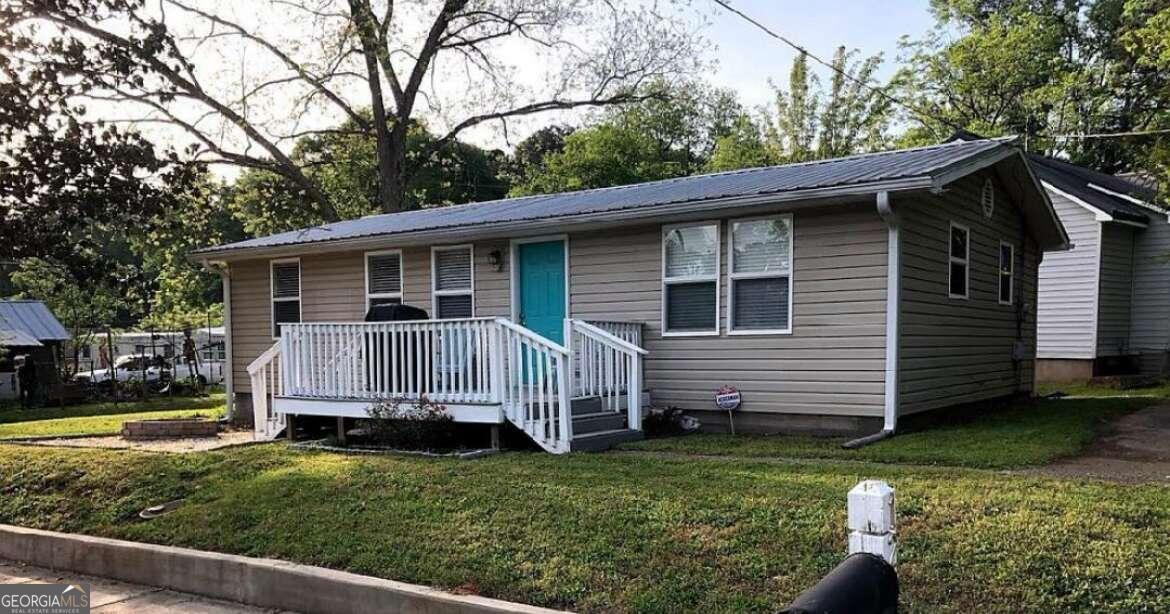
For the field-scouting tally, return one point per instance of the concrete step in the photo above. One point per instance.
(601, 421)
(602, 440)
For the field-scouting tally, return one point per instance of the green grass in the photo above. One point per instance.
(1018, 434)
(1087, 389)
(101, 418)
(618, 532)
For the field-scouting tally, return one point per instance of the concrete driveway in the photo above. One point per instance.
(113, 597)
(1135, 448)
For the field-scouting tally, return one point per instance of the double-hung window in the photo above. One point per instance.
(760, 273)
(959, 267)
(690, 279)
(1007, 271)
(453, 285)
(383, 278)
(285, 276)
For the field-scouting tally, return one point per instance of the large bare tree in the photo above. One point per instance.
(241, 81)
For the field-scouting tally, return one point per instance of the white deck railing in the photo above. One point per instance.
(266, 375)
(463, 361)
(607, 363)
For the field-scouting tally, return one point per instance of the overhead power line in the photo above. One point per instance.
(905, 105)
(877, 90)
(1106, 135)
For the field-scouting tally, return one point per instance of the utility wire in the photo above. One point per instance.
(905, 105)
(1106, 135)
(877, 90)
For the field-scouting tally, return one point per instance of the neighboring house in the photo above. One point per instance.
(28, 328)
(1104, 305)
(834, 295)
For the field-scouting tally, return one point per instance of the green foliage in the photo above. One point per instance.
(851, 117)
(344, 163)
(598, 157)
(743, 147)
(80, 305)
(1041, 68)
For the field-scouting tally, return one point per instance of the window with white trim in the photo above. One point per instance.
(285, 281)
(453, 285)
(383, 278)
(760, 274)
(690, 279)
(959, 266)
(1007, 272)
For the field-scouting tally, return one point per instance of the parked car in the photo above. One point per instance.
(133, 367)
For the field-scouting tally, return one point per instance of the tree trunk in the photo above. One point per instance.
(390, 150)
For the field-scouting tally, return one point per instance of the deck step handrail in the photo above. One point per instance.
(266, 374)
(535, 385)
(607, 367)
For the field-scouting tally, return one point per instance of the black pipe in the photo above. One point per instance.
(868, 439)
(861, 584)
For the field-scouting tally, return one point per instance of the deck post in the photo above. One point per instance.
(289, 428)
(495, 437)
(341, 430)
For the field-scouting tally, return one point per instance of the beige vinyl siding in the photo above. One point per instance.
(960, 350)
(1067, 304)
(333, 289)
(1116, 289)
(833, 362)
(1150, 315)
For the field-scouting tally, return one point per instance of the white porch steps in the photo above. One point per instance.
(595, 429)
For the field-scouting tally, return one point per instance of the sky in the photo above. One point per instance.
(747, 57)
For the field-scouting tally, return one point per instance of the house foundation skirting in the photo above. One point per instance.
(795, 424)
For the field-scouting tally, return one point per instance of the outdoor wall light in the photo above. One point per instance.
(496, 259)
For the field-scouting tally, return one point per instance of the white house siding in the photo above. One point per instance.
(1116, 289)
(960, 350)
(832, 364)
(1067, 305)
(1150, 315)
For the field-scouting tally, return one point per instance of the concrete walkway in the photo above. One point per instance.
(1135, 448)
(113, 597)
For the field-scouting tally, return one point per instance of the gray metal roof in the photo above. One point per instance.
(1079, 181)
(33, 319)
(851, 171)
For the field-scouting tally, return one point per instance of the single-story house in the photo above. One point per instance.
(28, 328)
(1104, 304)
(833, 296)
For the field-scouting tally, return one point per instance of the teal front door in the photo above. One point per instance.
(540, 273)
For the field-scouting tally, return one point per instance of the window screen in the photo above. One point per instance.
(286, 294)
(761, 274)
(453, 286)
(691, 278)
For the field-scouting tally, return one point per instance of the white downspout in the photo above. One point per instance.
(228, 368)
(893, 312)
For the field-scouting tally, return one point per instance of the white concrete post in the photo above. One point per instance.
(871, 520)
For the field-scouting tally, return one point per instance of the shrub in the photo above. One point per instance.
(402, 423)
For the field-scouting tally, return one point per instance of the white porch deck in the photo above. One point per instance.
(483, 370)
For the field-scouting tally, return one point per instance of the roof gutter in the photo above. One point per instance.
(221, 269)
(893, 329)
(507, 228)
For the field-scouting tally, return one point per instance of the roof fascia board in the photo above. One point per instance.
(962, 168)
(1099, 214)
(815, 197)
(1137, 201)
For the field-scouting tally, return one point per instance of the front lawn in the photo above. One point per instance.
(101, 418)
(618, 532)
(1016, 434)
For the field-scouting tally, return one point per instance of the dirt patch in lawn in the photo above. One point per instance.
(1133, 448)
(116, 442)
